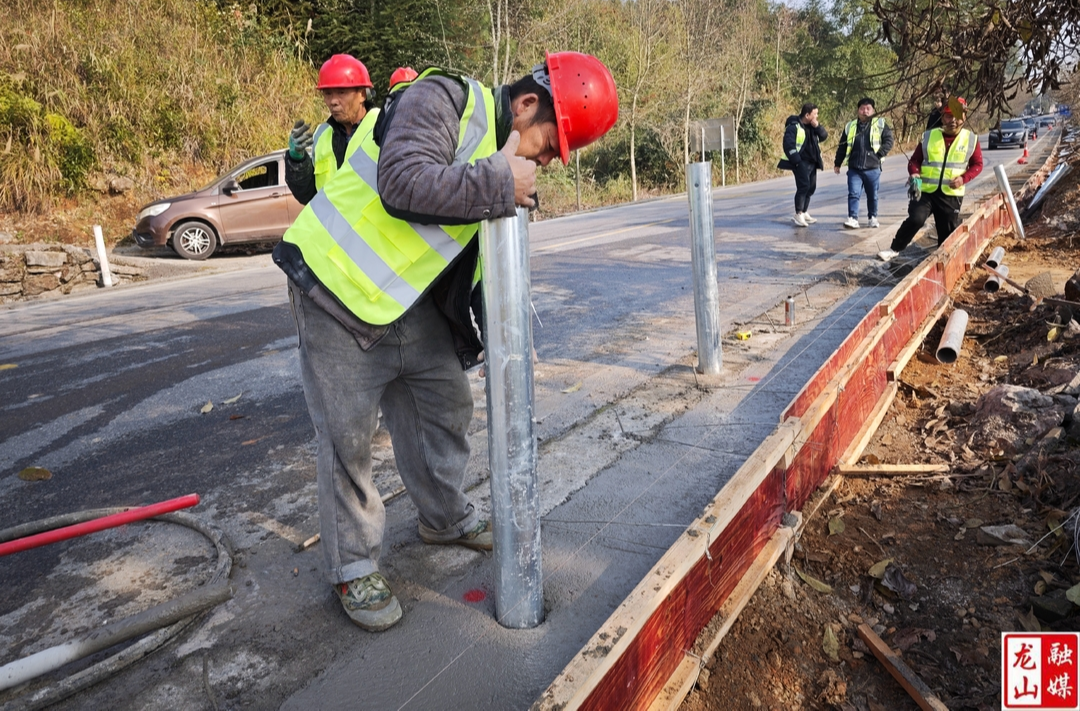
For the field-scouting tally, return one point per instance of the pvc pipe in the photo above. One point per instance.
(952, 339)
(100, 524)
(995, 257)
(103, 257)
(703, 261)
(51, 659)
(993, 283)
(515, 493)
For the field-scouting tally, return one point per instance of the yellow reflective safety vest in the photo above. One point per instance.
(323, 154)
(376, 265)
(939, 169)
(876, 127)
(800, 139)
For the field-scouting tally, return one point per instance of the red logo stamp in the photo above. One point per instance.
(1039, 670)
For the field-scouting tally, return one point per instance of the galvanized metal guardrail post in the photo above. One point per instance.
(515, 493)
(1006, 189)
(703, 261)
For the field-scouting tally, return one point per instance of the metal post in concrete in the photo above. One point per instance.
(703, 261)
(1006, 189)
(515, 494)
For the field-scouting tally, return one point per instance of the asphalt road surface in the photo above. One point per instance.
(110, 392)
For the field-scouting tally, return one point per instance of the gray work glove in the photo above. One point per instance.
(299, 140)
(914, 188)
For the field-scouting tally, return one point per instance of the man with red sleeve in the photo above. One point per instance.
(945, 160)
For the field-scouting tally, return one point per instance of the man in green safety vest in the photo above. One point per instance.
(382, 265)
(802, 156)
(313, 158)
(864, 142)
(945, 160)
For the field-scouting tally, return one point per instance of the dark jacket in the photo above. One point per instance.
(934, 119)
(863, 156)
(300, 174)
(420, 142)
(810, 153)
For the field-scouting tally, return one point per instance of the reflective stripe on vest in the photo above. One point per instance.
(939, 169)
(376, 265)
(323, 154)
(800, 138)
(876, 127)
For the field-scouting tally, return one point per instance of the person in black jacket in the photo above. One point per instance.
(934, 119)
(802, 156)
(864, 142)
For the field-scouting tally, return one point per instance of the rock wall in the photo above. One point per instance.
(43, 270)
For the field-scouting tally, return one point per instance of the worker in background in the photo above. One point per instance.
(349, 95)
(934, 119)
(945, 160)
(863, 144)
(802, 156)
(402, 74)
(381, 267)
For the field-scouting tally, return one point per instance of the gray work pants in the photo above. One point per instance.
(427, 405)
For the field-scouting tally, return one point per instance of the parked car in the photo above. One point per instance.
(1032, 128)
(250, 203)
(1046, 122)
(1011, 132)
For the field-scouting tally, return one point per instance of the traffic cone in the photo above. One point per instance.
(1023, 159)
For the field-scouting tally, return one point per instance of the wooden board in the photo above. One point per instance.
(682, 681)
(886, 469)
(870, 427)
(916, 687)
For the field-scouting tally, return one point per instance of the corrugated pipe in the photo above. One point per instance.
(993, 283)
(952, 339)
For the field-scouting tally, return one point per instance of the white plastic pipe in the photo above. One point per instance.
(952, 339)
(995, 257)
(993, 282)
(47, 660)
(703, 262)
(99, 240)
(515, 492)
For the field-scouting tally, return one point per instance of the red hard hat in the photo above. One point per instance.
(585, 99)
(402, 74)
(343, 71)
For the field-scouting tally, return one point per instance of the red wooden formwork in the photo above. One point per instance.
(828, 370)
(637, 676)
(630, 659)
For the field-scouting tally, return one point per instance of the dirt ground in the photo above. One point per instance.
(958, 588)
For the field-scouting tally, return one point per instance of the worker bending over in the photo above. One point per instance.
(381, 266)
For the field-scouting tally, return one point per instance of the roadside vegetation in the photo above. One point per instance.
(168, 93)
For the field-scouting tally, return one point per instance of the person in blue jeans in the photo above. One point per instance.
(864, 142)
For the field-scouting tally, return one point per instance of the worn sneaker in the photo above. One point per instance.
(480, 538)
(807, 219)
(886, 254)
(369, 602)
(851, 223)
(798, 220)
(874, 222)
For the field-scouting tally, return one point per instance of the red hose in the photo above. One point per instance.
(98, 524)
